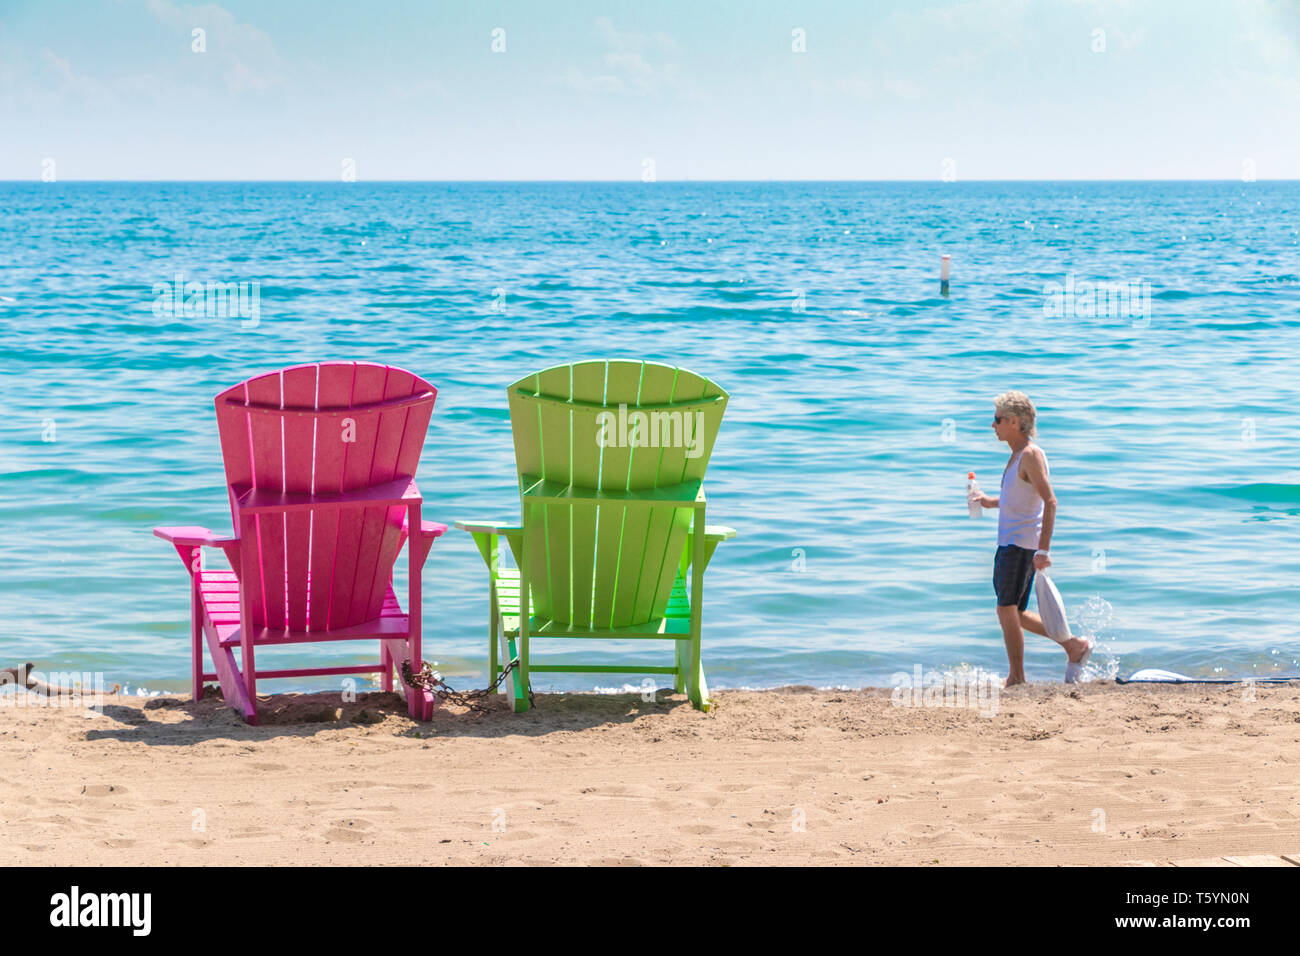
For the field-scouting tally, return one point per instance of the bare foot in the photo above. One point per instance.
(1074, 649)
(1013, 679)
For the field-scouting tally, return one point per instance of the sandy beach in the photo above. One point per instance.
(1094, 775)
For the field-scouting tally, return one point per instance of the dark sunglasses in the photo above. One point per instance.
(997, 419)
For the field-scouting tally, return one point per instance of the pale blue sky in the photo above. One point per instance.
(1006, 89)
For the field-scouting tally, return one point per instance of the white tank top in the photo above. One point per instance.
(1020, 507)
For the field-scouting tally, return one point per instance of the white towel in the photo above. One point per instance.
(1051, 609)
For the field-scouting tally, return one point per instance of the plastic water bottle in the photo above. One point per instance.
(973, 488)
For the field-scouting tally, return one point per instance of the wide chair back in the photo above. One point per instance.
(611, 459)
(304, 447)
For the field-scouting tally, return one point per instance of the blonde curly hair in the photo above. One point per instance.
(1018, 404)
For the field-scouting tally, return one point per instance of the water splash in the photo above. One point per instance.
(1093, 620)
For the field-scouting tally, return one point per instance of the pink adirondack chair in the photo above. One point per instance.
(320, 466)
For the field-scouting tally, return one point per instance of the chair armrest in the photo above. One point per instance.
(423, 539)
(485, 534)
(488, 527)
(714, 534)
(193, 536)
(428, 529)
(187, 539)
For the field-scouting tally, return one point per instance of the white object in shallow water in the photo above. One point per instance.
(1155, 674)
(1051, 609)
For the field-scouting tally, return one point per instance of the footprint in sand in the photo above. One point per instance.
(102, 789)
(516, 835)
(352, 823)
(340, 835)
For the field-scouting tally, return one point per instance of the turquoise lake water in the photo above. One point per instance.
(860, 397)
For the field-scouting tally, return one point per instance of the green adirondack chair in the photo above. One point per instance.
(611, 459)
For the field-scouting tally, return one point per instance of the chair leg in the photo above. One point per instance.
(247, 676)
(697, 689)
(494, 624)
(196, 646)
(250, 686)
(516, 689)
(386, 662)
(700, 693)
(413, 695)
(420, 702)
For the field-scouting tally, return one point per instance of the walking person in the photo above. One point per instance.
(1026, 519)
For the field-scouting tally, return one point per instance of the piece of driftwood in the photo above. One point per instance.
(23, 675)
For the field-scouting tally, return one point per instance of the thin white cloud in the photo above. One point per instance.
(633, 63)
(246, 56)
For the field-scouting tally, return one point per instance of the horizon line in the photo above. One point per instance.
(658, 181)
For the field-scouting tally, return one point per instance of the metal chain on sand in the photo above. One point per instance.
(430, 680)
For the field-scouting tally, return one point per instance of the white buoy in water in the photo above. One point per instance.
(944, 266)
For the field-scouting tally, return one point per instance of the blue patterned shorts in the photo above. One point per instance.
(1013, 575)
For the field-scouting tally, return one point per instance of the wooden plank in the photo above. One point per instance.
(663, 587)
(228, 675)
(232, 427)
(381, 530)
(408, 461)
(358, 434)
(299, 458)
(644, 530)
(622, 385)
(527, 435)
(709, 421)
(588, 386)
(334, 390)
(267, 451)
(417, 427)
(555, 599)
(524, 429)
(665, 527)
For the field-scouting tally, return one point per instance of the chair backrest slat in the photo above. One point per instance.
(650, 467)
(358, 433)
(324, 428)
(622, 387)
(333, 390)
(588, 389)
(381, 529)
(299, 386)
